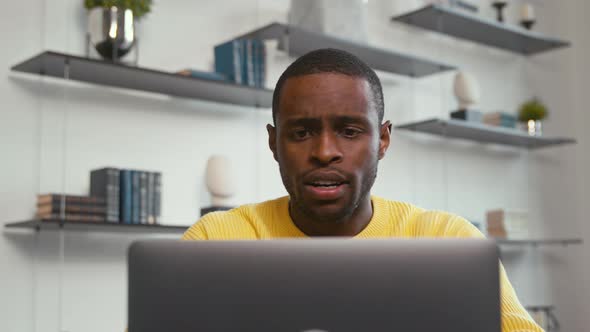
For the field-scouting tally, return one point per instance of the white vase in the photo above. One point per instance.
(466, 89)
(342, 18)
(219, 180)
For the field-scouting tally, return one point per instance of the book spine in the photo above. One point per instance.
(71, 208)
(126, 198)
(157, 197)
(135, 197)
(262, 64)
(143, 186)
(237, 56)
(56, 199)
(229, 61)
(113, 208)
(74, 217)
(104, 183)
(150, 198)
(249, 58)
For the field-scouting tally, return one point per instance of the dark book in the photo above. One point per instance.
(73, 217)
(126, 197)
(143, 202)
(104, 183)
(46, 209)
(467, 115)
(58, 199)
(135, 197)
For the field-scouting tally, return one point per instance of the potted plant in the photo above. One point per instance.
(111, 25)
(531, 113)
(139, 8)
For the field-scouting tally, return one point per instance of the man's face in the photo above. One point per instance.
(328, 141)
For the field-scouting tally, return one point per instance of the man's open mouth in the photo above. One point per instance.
(326, 184)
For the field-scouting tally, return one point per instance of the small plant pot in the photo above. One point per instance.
(533, 127)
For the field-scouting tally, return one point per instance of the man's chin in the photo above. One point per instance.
(327, 214)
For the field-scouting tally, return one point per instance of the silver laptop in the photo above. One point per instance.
(331, 285)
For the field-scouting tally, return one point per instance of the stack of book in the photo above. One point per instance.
(511, 224)
(71, 208)
(500, 119)
(131, 196)
(242, 61)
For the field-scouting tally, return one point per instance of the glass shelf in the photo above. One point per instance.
(483, 133)
(539, 242)
(110, 74)
(55, 224)
(299, 41)
(483, 31)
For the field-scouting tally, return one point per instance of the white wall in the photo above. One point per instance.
(561, 182)
(54, 133)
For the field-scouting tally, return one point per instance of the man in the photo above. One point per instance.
(328, 137)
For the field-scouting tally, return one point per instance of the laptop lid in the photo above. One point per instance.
(329, 285)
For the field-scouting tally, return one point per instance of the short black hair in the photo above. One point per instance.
(330, 60)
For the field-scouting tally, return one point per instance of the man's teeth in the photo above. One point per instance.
(326, 184)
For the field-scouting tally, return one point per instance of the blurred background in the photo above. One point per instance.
(123, 120)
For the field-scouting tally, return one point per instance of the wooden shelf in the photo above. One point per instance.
(299, 41)
(480, 30)
(483, 133)
(66, 66)
(56, 224)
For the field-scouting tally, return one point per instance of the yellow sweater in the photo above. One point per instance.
(271, 219)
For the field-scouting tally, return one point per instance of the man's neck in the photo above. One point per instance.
(352, 226)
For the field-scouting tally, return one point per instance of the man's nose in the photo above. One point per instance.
(326, 149)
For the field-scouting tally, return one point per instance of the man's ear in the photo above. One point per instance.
(384, 138)
(272, 140)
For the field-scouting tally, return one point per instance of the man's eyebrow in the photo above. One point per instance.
(304, 122)
(350, 119)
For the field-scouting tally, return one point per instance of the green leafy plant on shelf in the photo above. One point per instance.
(533, 109)
(138, 7)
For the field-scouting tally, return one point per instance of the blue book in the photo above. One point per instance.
(249, 59)
(256, 61)
(125, 196)
(260, 63)
(228, 60)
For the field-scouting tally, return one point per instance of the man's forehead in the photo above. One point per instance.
(326, 82)
(324, 94)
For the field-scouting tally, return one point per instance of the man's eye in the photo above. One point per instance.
(301, 134)
(350, 132)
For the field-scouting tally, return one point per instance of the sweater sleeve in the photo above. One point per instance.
(515, 318)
